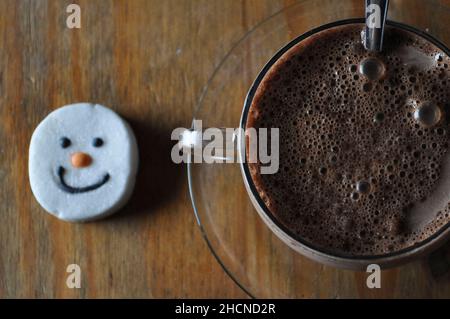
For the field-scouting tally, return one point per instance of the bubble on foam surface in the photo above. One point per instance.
(363, 187)
(372, 68)
(428, 114)
(363, 150)
(379, 117)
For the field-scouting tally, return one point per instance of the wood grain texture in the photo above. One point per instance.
(148, 60)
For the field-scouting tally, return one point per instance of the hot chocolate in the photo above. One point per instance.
(364, 139)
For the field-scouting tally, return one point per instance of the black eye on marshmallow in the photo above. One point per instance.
(65, 142)
(98, 142)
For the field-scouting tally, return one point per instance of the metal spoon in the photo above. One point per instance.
(376, 13)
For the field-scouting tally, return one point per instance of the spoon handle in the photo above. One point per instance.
(376, 13)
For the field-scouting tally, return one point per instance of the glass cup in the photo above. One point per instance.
(307, 249)
(219, 107)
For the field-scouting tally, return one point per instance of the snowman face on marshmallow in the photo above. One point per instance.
(82, 162)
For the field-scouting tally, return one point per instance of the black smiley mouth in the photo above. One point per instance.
(78, 190)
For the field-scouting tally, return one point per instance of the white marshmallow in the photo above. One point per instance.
(74, 193)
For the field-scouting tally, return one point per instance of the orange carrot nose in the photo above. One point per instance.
(80, 160)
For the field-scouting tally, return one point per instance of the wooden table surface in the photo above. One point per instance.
(149, 60)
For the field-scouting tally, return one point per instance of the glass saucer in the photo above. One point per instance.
(261, 264)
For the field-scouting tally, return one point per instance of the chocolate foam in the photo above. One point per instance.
(364, 168)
